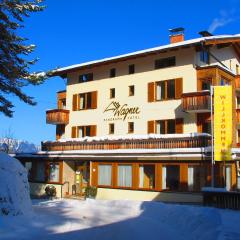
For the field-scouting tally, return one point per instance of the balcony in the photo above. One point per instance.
(152, 143)
(57, 116)
(196, 102)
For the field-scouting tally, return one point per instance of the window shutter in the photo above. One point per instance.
(74, 102)
(151, 127)
(93, 131)
(178, 88)
(179, 125)
(151, 91)
(74, 132)
(94, 100)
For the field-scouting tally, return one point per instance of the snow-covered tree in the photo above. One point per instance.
(14, 65)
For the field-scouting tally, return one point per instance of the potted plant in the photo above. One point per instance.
(51, 191)
(90, 192)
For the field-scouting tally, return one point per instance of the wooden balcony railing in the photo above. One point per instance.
(237, 81)
(57, 116)
(196, 101)
(182, 142)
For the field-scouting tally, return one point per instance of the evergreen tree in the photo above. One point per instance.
(14, 66)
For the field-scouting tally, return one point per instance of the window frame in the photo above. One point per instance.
(165, 84)
(111, 128)
(165, 62)
(131, 69)
(131, 90)
(86, 77)
(130, 127)
(112, 93)
(112, 73)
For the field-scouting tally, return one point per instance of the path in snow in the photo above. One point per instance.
(115, 220)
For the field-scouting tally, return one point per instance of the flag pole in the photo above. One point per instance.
(212, 132)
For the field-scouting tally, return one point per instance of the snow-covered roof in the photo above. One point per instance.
(196, 41)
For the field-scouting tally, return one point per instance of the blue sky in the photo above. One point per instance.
(74, 31)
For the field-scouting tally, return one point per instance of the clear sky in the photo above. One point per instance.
(74, 31)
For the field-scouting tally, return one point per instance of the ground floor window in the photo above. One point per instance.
(28, 166)
(105, 174)
(194, 178)
(147, 176)
(124, 175)
(53, 172)
(171, 177)
(40, 172)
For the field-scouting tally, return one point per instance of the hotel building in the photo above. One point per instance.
(138, 126)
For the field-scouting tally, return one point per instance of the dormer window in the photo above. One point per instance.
(85, 77)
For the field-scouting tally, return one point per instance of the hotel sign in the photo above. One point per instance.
(222, 122)
(121, 112)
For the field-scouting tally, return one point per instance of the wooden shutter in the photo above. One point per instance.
(93, 130)
(151, 91)
(74, 132)
(151, 127)
(178, 88)
(74, 102)
(179, 125)
(94, 100)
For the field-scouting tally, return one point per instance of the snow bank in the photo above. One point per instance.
(14, 187)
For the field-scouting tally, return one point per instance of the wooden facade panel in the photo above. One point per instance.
(151, 127)
(151, 90)
(178, 88)
(184, 176)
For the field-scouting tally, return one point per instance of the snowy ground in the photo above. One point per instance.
(125, 220)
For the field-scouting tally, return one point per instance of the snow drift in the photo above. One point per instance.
(14, 187)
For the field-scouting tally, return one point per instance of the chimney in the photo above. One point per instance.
(205, 34)
(176, 35)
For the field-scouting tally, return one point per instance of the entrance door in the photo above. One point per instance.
(82, 179)
(228, 178)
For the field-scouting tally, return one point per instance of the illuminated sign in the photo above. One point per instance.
(121, 112)
(222, 122)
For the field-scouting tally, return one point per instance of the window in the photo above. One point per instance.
(238, 102)
(147, 176)
(62, 104)
(165, 62)
(165, 90)
(130, 127)
(224, 82)
(105, 175)
(85, 77)
(86, 131)
(53, 172)
(204, 56)
(112, 92)
(160, 91)
(111, 128)
(194, 178)
(131, 69)
(28, 166)
(171, 177)
(131, 90)
(237, 69)
(166, 126)
(84, 101)
(171, 126)
(160, 127)
(40, 175)
(206, 85)
(112, 72)
(206, 127)
(124, 175)
(171, 89)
